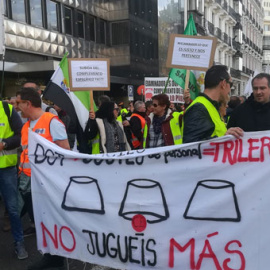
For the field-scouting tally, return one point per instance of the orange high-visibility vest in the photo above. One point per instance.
(42, 127)
(135, 142)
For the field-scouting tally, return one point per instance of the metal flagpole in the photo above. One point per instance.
(3, 77)
(185, 13)
(2, 46)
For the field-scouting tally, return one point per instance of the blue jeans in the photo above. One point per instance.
(9, 190)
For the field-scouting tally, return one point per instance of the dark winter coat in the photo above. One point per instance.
(251, 116)
(198, 124)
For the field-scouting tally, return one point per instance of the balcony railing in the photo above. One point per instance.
(237, 26)
(230, 41)
(232, 13)
(226, 38)
(211, 27)
(218, 33)
(225, 5)
(256, 48)
(266, 47)
(244, 38)
(248, 41)
(249, 71)
(197, 18)
(238, 54)
(200, 30)
(200, 24)
(235, 73)
(236, 45)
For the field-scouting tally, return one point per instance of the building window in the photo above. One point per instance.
(18, 10)
(92, 27)
(5, 8)
(102, 36)
(36, 13)
(52, 16)
(120, 33)
(266, 27)
(68, 20)
(80, 24)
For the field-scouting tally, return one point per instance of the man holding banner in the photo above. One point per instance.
(48, 126)
(202, 120)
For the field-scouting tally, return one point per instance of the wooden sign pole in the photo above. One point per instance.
(91, 101)
(187, 79)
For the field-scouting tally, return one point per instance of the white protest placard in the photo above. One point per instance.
(156, 85)
(191, 52)
(200, 206)
(89, 74)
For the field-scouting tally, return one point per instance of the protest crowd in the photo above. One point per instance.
(116, 127)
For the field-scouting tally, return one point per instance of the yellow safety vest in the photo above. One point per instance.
(95, 144)
(124, 110)
(175, 128)
(119, 118)
(145, 131)
(220, 127)
(8, 158)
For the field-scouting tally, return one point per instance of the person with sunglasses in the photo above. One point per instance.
(48, 126)
(202, 120)
(162, 124)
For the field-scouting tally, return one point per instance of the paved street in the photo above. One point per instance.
(9, 261)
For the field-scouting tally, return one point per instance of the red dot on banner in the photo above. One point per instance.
(139, 223)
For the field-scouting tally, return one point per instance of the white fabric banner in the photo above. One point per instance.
(196, 206)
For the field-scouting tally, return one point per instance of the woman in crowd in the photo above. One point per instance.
(106, 129)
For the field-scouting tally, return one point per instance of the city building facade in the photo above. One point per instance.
(237, 25)
(134, 34)
(266, 36)
(39, 32)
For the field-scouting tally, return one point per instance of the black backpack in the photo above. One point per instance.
(48, 108)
